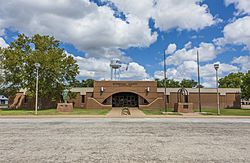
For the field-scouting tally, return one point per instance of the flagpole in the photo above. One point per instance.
(165, 84)
(199, 82)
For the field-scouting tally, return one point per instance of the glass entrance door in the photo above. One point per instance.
(125, 100)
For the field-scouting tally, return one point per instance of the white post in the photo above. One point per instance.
(218, 95)
(216, 66)
(36, 90)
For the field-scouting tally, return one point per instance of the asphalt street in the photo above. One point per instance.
(124, 140)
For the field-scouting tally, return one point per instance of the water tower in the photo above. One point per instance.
(115, 65)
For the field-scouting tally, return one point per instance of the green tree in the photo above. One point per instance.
(245, 86)
(159, 83)
(170, 83)
(186, 83)
(88, 83)
(57, 71)
(233, 80)
(83, 83)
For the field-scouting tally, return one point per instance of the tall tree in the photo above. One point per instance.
(245, 86)
(233, 80)
(57, 71)
(186, 83)
(170, 83)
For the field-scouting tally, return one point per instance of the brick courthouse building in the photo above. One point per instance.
(145, 94)
(141, 94)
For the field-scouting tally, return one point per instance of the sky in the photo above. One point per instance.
(139, 33)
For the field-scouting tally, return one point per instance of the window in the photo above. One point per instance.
(83, 98)
(167, 98)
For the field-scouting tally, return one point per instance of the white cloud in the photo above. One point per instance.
(134, 72)
(99, 69)
(3, 44)
(185, 65)
(185, 14)
(95, 28)
(238, 32)
(171, 49)
(207, 52)
(208, 73)
(143, 10)
(243, 6)
(84, 24)
(96, 31)
(188, 45)
(188, 70)
(243, 62)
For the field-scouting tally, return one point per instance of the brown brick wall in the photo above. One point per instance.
(155, 99)
(29, 103)
(77, 101)
(137, 87)
(209, 100)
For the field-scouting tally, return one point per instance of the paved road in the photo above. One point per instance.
(124, 140)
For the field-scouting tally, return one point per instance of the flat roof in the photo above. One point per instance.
(222, 91)
(82, 90)
(203, 90)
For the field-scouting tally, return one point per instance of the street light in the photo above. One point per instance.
(216, 67)
(37, 65)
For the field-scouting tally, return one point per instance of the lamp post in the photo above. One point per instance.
(37, 65)
(216, 67)
(165, 84)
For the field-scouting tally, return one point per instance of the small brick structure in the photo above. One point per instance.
(64, 107)
(184, 107)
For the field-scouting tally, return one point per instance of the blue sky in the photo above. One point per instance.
(138, 33)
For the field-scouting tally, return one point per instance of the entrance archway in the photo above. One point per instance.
(125, 99)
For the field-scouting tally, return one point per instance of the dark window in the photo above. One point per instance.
(83, 99)
(167, 98)
(2, 102)
(186, 98)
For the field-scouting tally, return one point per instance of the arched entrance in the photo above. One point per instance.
(125, 99)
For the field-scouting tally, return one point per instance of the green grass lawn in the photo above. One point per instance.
(237, 112)
(76, 111)
(232, 112)
(157, 111)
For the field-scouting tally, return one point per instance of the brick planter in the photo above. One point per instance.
(64, 107)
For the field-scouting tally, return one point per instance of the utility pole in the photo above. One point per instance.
(199, 81)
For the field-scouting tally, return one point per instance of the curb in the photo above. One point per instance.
(104, 116)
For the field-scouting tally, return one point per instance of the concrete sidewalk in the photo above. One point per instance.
(117, 113)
